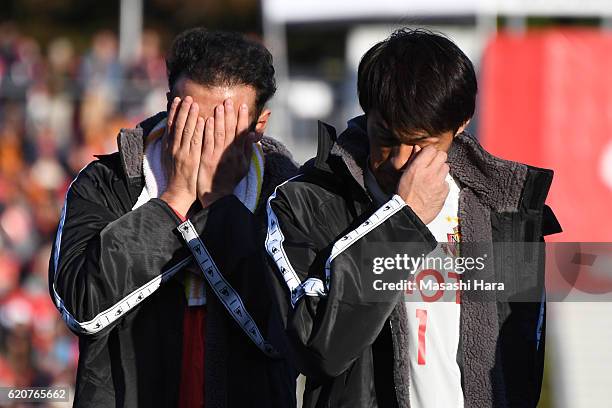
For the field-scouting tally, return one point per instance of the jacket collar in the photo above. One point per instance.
(497, 183)
(131, 146)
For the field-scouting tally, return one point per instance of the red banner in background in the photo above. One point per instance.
(546, 100)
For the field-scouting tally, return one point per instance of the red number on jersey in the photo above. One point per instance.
(421, 315)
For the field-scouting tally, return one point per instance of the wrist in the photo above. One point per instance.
(416, 209)
(179, 203)
(421, 214)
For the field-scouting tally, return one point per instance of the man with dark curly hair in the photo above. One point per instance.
(155, 264)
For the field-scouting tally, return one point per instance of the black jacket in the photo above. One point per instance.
(115, 277)
(352, 348)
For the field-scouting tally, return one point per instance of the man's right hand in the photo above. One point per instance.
(182, 148)
(423, 186)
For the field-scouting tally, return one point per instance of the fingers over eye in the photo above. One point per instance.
(219, 128)
(230, 121)
(179, 123)
(198, 136)
(190, 125)
(208, 145)
(243, 119)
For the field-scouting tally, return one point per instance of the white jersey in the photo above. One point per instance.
(433, 317)
(435, 378)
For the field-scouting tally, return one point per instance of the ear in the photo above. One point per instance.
(462, 128)
(262, 120)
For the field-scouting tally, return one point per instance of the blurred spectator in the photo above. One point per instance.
(50, 103)
(100, 80)
(18, 365)
(146, 78)
(57, 109)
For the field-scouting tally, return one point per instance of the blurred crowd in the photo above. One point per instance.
(58, 107)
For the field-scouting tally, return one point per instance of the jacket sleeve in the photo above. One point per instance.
(329, 324)
(103, 264)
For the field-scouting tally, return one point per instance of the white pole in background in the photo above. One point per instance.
(130, 30)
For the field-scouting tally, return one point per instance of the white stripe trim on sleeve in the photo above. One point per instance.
(274, 247)
(310, 287)
(314, 286)
(119, 309)
(395, 204)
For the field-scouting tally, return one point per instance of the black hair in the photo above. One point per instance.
(417, 80)
(217, 58)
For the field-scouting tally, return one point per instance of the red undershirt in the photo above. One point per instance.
(191, 388)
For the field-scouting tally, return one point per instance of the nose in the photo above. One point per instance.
(400, 155)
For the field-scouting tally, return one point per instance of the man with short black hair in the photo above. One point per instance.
(155, 264)
(407, 173)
